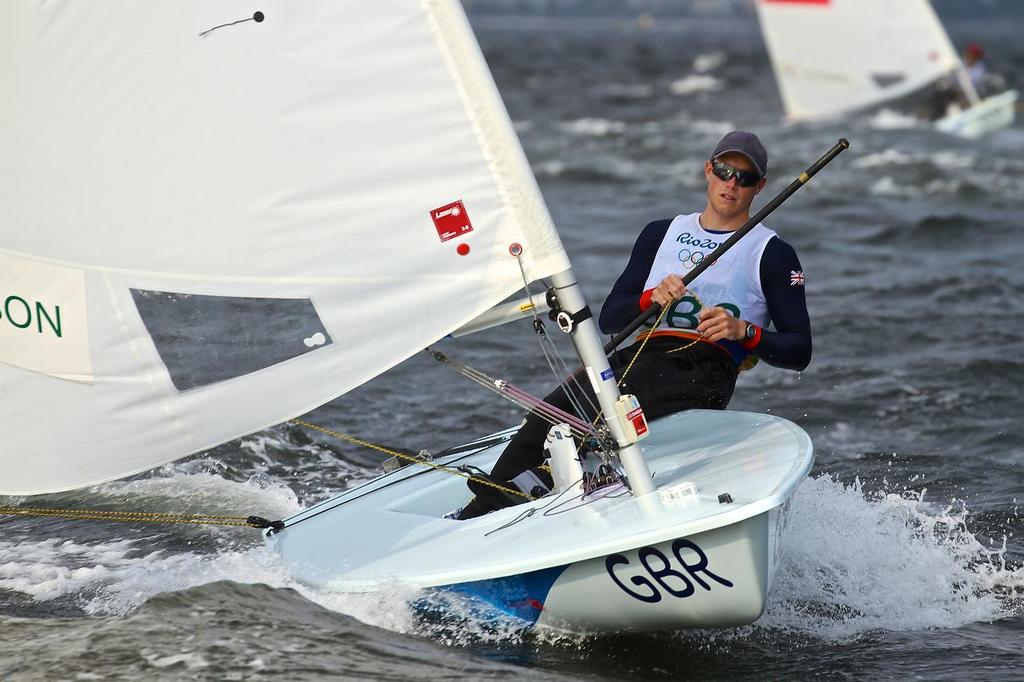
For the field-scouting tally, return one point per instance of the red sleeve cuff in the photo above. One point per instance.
(751, 344)
(645, 299)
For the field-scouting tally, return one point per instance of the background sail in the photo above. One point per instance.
(202, 236)
(835, 56)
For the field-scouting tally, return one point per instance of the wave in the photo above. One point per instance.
(695, 82)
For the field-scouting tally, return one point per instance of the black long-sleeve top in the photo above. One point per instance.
(787, 346)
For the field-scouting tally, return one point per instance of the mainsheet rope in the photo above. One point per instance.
(141, 517)
(411, 458)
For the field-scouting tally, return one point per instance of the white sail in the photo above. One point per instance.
(204, 235)
(834, 56)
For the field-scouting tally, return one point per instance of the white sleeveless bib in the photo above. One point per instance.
(733, 282)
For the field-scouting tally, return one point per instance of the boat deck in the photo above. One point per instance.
(393, 527)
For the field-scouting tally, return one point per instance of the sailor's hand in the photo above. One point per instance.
(717, 324)
(670, 289)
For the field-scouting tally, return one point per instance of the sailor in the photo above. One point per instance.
(975, 65)
(748, 306)
(947, 97)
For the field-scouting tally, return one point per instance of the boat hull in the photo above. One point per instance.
(719, 578)
(700, 551)
(990, 114)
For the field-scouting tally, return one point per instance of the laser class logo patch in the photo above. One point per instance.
(451, 221)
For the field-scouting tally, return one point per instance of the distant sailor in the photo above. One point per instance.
(947, 97)
(974, 63)
(749, 305)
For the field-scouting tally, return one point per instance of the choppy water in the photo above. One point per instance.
(905, 558)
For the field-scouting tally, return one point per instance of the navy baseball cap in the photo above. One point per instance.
(744, 143)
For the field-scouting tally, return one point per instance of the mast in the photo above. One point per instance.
(587, 340)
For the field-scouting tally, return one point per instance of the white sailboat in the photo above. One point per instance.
(833, 57)
(218, 216)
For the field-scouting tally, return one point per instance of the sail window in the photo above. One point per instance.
(205, 339)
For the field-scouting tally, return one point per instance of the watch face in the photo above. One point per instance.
(750, 331)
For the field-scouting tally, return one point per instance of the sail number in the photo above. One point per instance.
(658, 574)
(683, 314)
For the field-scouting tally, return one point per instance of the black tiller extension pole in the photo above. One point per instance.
(801, 180)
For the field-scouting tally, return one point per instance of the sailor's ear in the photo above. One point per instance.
(761, 183)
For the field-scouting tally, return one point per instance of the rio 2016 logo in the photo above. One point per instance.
(660, 575)
(690, 240)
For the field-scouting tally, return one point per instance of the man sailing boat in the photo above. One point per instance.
(709, 331)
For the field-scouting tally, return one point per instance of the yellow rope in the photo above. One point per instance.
(647, 336)
(141, 517)
(414, 460)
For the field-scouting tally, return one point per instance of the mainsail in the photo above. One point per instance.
(207, 232)
(835, 56)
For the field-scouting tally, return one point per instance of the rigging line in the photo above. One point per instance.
(522, 516)
(584, 500)
(567, 380)
(480, 378)
(643, 342)
(570, 419)
(544, 410)
(550, 350)
(530, 512)
(410, 458)
(140, 517)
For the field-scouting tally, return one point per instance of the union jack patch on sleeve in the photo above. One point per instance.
(796, 278)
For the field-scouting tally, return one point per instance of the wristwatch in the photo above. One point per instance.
(750, 332)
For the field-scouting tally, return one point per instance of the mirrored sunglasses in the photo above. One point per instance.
(725, 172)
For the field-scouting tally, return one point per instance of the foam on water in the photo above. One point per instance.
(708, 62)
(889, 119)
(181, 492)
(593, 127)
(893, 187)
(855, 562)
(893, 157)
(695, 82)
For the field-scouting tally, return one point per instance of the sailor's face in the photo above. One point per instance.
(727, 197)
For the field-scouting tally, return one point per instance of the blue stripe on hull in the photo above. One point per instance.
(519, 596)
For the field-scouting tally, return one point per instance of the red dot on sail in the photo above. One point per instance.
(462, 249)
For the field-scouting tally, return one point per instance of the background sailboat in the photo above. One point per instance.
(833, 57)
